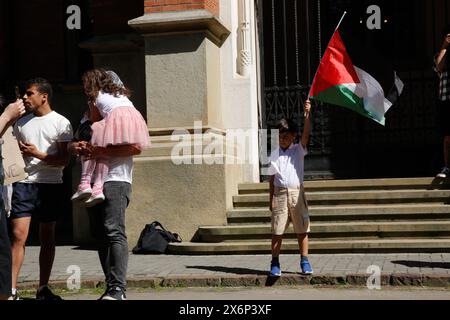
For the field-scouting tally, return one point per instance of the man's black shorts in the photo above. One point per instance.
(43, 201)
(444, 118)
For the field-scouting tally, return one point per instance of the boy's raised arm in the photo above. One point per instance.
(272, 191)
(307, 127)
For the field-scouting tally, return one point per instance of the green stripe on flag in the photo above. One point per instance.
(342, 96)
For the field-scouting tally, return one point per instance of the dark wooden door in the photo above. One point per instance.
(294, 34)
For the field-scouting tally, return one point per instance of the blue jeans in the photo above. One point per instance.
(107, 221)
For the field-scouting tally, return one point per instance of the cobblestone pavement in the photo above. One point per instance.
(236, 270)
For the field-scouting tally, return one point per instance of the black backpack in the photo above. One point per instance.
(155, 239)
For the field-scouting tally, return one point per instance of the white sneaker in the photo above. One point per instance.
(444, 173)
(94, 200)
(81, 195)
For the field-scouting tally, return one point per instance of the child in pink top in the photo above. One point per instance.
(115, 122)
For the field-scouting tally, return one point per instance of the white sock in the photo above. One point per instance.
(13, 291)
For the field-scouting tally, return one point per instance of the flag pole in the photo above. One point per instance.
(342, 19)
(335, 30)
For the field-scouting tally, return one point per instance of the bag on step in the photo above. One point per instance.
(154, 239)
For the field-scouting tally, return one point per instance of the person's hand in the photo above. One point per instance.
(81, 148)
(446, 42)
(29, 149)
(14, 111)
(307, 107)
(73, 148)
(93, 152)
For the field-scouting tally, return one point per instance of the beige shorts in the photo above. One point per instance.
(290, 205)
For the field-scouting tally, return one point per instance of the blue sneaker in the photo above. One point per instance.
(275, 269)
(306, 267)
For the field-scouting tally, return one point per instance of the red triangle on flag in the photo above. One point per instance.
(336, 67)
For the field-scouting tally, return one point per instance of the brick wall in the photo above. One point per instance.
(181, 5)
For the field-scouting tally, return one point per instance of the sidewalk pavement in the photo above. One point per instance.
(144, 271)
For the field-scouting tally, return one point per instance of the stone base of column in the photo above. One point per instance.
(183, 188)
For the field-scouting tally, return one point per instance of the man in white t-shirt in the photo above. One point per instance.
(43, 136)
(287, 195)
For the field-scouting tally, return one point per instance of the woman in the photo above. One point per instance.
(13, 112)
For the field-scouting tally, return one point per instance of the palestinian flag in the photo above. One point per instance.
(352, 76)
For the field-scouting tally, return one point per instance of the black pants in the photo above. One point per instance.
(108, 227)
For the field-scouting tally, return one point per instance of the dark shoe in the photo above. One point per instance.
(15, 296)
(114, 294)
(44, 293)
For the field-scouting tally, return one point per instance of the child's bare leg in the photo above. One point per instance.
(276, 245)
(303, 243)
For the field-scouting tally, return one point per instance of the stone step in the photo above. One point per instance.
(348, 213)
(163, 133)
(182, 148)
(404, 229)
(370, 184)
(423, 245)
(353, 197)
(176, 138)
(188, 148)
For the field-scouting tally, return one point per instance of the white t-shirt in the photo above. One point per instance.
(106, 103)
(44, 132)
(288, 167)
(120, 170)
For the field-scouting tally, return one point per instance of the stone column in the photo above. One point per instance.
(188, 188)
(182, 57)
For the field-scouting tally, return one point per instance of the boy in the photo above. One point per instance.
(287, 195)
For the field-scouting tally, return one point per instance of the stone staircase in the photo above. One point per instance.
(348, 216)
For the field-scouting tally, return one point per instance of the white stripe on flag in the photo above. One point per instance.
(370, 90)
(399, 84)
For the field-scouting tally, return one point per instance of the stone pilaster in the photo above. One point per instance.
(183, 40)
